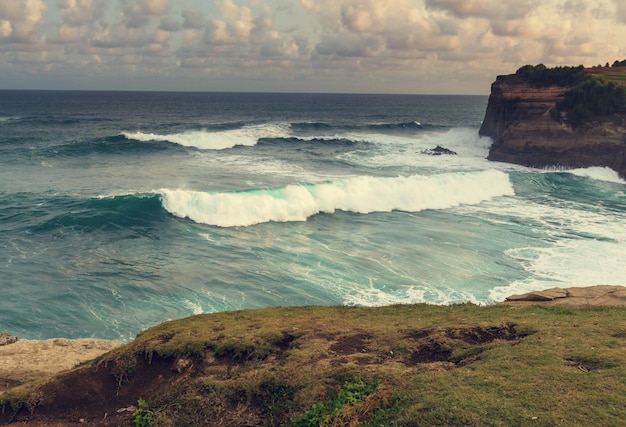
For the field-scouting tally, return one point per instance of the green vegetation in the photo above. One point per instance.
(355, 403)
(590, 94)
(143, 416)
(542, 76)
(403, 365)
(593, 97)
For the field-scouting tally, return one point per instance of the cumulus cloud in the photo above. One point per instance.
(193, 19)
(313, 40)
(75, 13)
(76, 18)
(349, 46)
(170, 23)
(490, 9)
(137, 14)
(620, 6)
(233, 28)
(20, 21)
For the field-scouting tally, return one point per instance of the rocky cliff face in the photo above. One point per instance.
(518, 120)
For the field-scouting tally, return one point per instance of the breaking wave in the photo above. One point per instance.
(207, 139)
(363, 194)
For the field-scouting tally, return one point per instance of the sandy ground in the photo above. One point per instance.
(26, 360)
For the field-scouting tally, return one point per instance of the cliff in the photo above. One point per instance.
(524, 132)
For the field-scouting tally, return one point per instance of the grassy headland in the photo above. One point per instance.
(615, 75)
(403, 365)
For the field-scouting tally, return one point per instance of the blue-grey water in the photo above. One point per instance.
(121, 210)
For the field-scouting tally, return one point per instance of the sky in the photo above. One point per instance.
(344, 46)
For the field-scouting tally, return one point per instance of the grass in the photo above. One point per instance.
(615, 75)
(403, 365)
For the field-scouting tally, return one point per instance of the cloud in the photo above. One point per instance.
(349, 46)
(193, 19)
(75, 13)
(489, 9)
(76, 18)
(315, 42)
(139, 13)
(233, 28)
(20, 21)
(170, 23)
(620, 8)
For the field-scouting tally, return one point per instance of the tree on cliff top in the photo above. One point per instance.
(542, 76)
(620, 63)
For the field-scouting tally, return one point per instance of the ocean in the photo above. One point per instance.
(121, 210)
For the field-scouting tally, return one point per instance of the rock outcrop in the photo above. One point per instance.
(438, 151)
(519, 120)
(600, 295)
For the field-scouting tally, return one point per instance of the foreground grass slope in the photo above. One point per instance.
(404, 365)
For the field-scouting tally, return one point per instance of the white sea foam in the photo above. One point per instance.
(4, 119)
(567, 263)
(363, 194)
(215, 140)
(194, 307)
(579, 247)
(599, 173)
(400, 150)
(374, 297)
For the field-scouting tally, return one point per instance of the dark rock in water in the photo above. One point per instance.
(438, 151)
(6, 339)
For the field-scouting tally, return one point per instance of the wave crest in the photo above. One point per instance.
(362, 194)
(599, 174)
(206, 139)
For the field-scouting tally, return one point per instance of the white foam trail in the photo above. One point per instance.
(373, 297)
(219, 140)
(580, 247)
(363, 194)
(566, 264)
(194, 307)
(599, 174)
(8, 118)
(401, 150)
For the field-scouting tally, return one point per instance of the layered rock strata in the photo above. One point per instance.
(519, 120)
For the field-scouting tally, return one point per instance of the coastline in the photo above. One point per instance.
(26, 360)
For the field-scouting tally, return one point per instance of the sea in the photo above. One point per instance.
(121, 210)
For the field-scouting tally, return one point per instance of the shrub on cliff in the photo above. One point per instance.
(593, 96)
(542, 76)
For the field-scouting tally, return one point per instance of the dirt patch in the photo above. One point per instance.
(456, 345)
(418, 334)
(483, 335)
(96, 394)
(286, 341)
(429, 352)
(351, 344)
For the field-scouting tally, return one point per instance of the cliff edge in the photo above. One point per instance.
(525, 131)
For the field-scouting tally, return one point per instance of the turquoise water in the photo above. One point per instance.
(121, 210)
